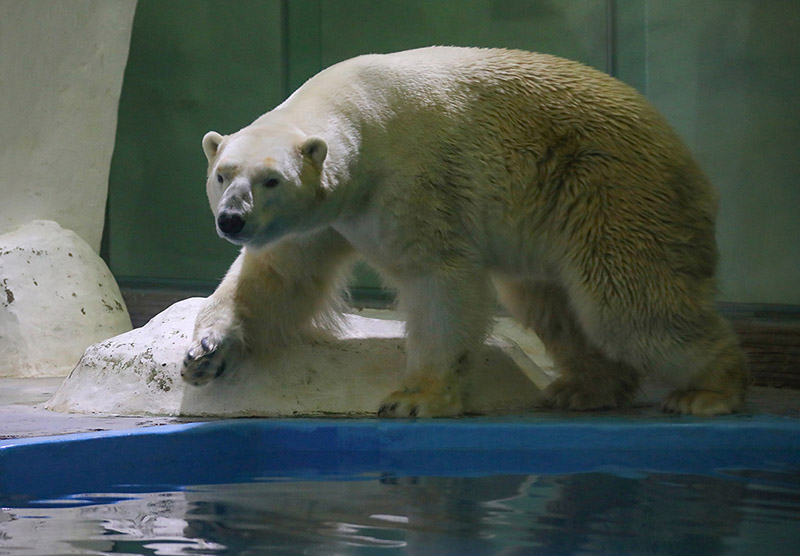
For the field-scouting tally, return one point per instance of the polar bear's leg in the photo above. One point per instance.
(719, 384)
(681, 340)
(217, 341)
(268, 299)
(589, 379)
(676, 336)
(447, 315)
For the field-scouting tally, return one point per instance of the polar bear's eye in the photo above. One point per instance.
(220, 178)
(269, 183)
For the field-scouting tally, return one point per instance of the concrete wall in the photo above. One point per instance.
(61, 69)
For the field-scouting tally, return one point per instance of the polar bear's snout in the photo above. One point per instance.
(233, 209)
(230, 223)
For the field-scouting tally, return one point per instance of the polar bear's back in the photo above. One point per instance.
(533, 97)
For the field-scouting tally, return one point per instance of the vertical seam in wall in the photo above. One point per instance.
(318, 30)
(302, 44)
(646, 84)
(611, 38)
(285, 47)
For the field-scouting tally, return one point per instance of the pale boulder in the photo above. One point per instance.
(57, 297)
(138, 373)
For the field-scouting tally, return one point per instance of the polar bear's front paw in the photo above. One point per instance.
(206, 359)
(424, 398)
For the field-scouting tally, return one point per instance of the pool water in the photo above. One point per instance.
(744, 512)
(357, 487)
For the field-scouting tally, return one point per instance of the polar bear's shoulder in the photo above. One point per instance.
(429, 68)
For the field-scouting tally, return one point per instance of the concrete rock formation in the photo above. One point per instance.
(57, 297)
(62, 65)
(138, 373)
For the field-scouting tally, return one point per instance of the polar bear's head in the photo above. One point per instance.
(264, 182)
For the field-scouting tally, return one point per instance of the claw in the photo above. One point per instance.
(386, 409)
(206, 344)
(206, 358)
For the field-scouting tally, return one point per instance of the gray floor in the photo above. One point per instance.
(22, 414)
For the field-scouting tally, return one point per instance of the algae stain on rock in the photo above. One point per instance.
(146, 366)
(157, 379)
(8, 293)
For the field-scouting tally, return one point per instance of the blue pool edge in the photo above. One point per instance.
(239, 450)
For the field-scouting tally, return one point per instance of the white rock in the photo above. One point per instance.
(138, 373)
(57, 297)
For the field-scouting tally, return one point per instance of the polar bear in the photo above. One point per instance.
(458, 171)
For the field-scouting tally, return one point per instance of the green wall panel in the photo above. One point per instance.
(193, 66)
(724, 73)
(574, 29)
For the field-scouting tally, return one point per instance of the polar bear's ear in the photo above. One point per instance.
(211, 142)
(315, 149)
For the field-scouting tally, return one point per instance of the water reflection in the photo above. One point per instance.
(594, 513)
(613, 512)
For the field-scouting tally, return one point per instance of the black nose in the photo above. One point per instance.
(230, 223)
